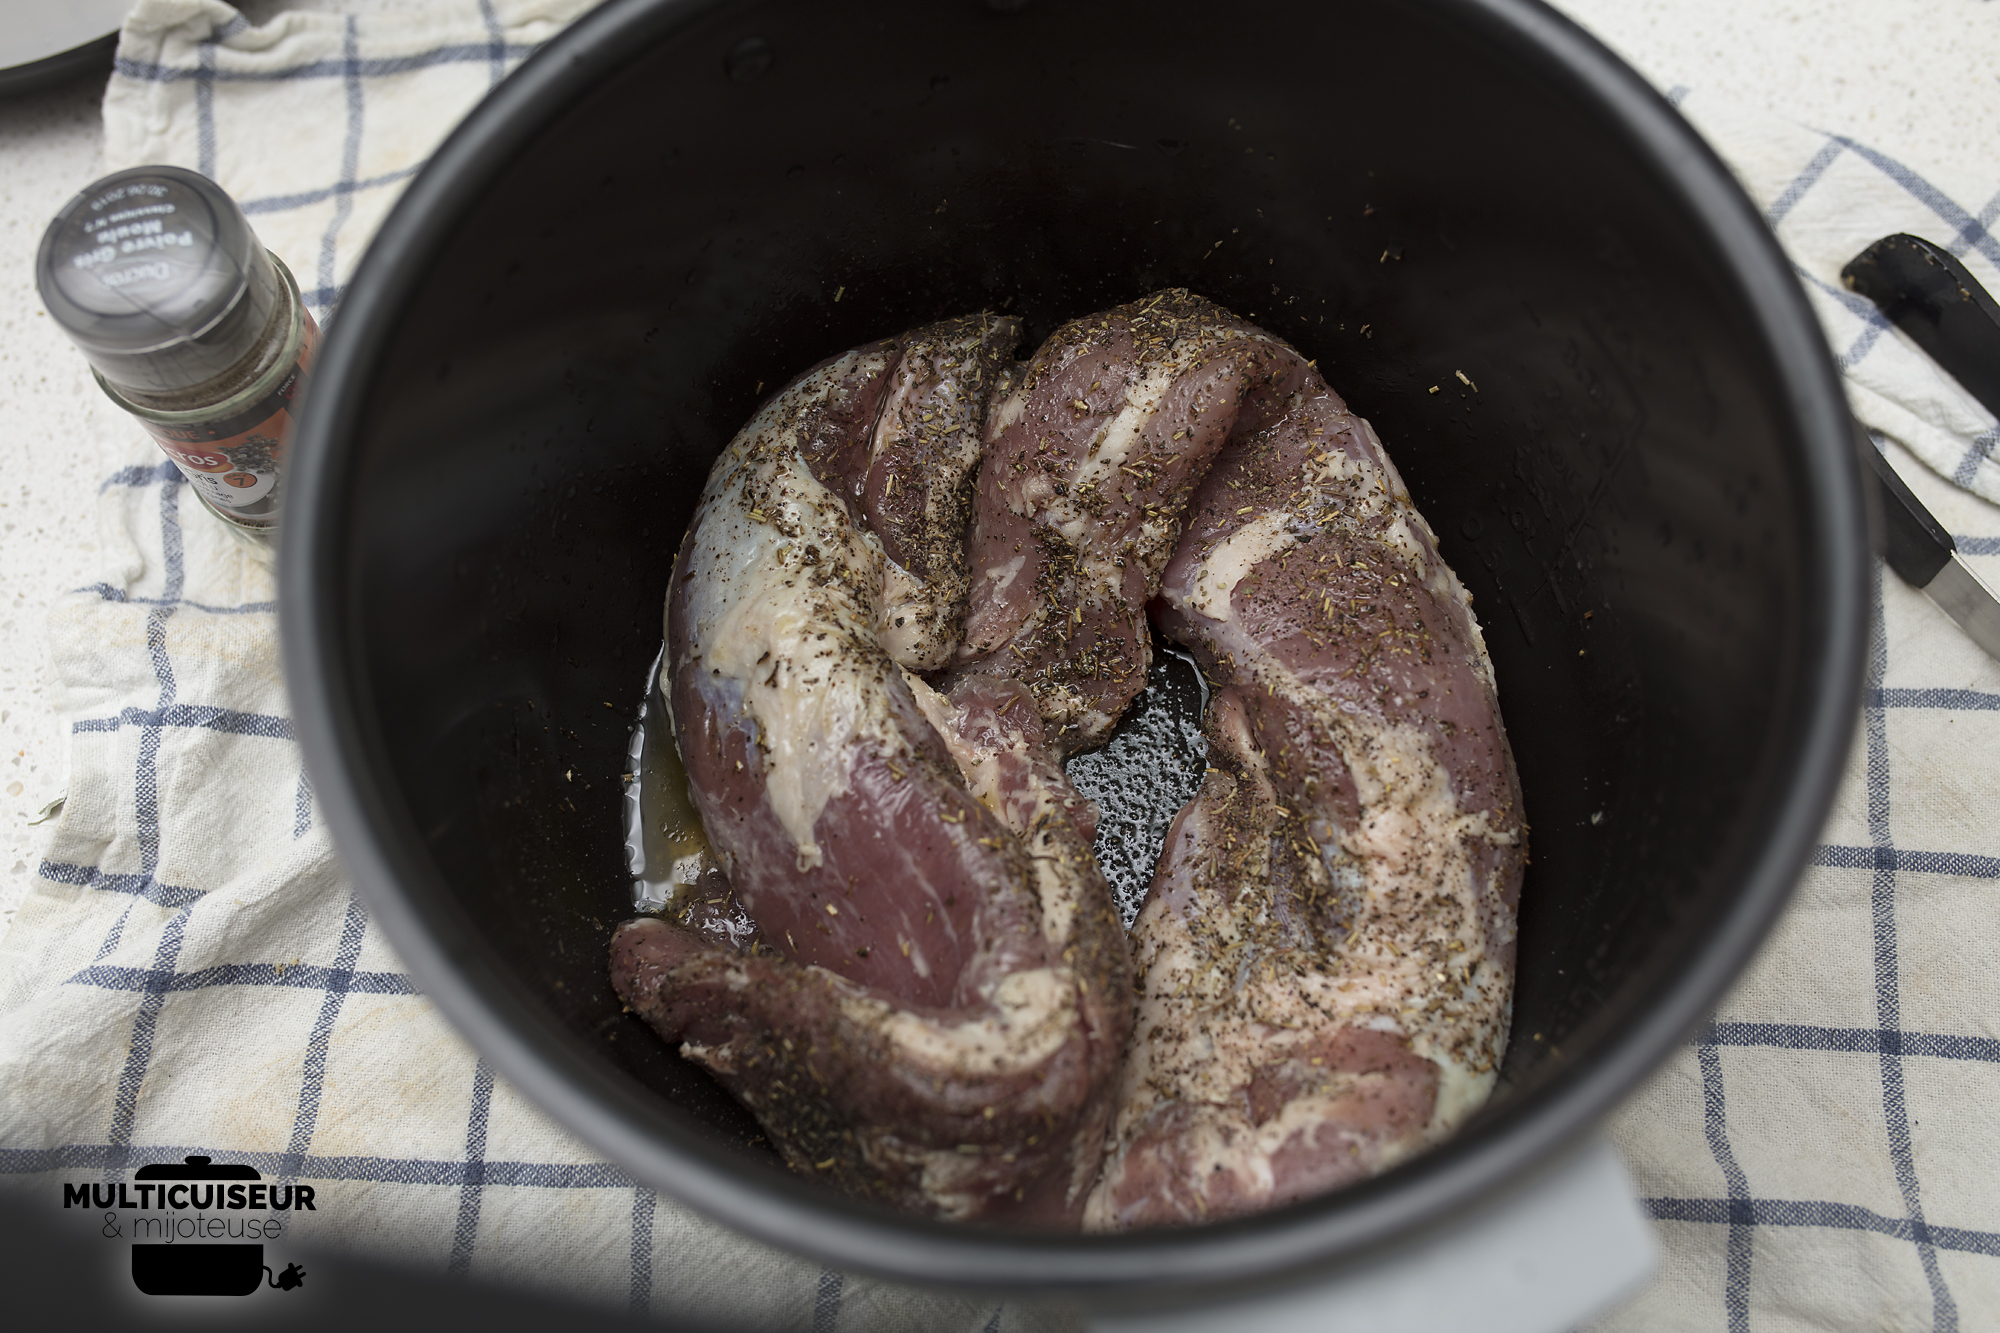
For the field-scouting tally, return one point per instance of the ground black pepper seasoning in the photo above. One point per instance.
(189, 324)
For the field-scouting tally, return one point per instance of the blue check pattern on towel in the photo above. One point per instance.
(192, 973)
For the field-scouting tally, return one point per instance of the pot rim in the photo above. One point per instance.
(382, 849)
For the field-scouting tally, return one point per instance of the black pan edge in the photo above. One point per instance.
(94, 58)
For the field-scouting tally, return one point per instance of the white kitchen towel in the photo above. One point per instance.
(191, 973)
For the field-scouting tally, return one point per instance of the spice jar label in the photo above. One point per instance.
(233, 459)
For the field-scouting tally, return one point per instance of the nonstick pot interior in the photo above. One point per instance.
(1585, 355)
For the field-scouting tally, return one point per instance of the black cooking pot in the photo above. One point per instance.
(1584, 350)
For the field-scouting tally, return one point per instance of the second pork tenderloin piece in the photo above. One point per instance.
(1326, 955)
(939, 1016)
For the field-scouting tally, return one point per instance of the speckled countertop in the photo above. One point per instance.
(1908, 76)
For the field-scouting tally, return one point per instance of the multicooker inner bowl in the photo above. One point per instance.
(1651, 491)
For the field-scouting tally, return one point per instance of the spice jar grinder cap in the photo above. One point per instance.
(155, 274)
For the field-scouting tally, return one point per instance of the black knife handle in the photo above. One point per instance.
(1915, 544)
(1928, 294)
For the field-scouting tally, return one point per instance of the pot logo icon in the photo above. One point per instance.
(163, 1266)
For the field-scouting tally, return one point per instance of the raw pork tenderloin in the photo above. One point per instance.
(933, 1008)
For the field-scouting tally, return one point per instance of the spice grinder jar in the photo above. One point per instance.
(189, 324)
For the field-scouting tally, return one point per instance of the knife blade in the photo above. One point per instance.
(1924, 556)
(1927, 293)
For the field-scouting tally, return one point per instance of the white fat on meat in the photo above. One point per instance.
(1033, 1012)
(1003, 576)
(904, 620)
(1231, 560)
(765, 629)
